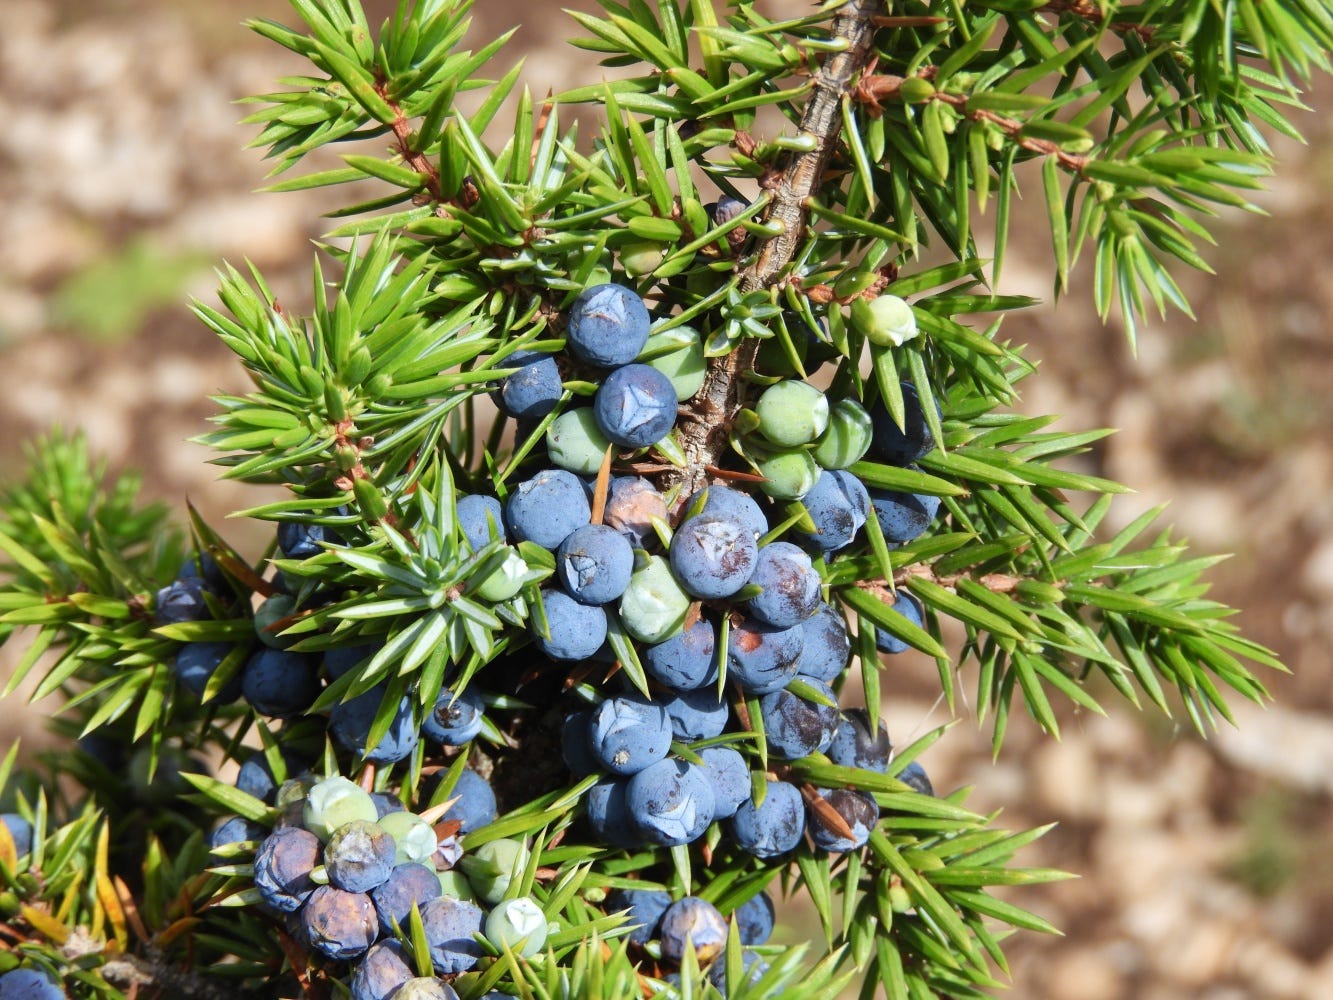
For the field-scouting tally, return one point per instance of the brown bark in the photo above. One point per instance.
(707, 425)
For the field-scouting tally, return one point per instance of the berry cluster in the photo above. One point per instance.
(695, 924)
(697, 586)
(344, 869)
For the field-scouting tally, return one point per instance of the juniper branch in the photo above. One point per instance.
(704, 436)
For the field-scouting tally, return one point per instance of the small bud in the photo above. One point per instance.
(915, 90)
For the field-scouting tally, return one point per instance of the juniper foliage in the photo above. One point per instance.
(869, 145)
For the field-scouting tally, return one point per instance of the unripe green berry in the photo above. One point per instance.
(455, 885)
(518, 923)
(886, 321)
(413, 838)
(335, 802)
(772, 358)
(276, 608)
(506, 580)
(493, 866)
(641, 257)
(847, 438)
(788, 475)
(654, 606)
(574, 442)
(684, 365)
(792, 413)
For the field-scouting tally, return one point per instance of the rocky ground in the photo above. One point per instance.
(123, 181)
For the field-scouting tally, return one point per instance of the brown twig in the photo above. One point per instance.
(705, 439)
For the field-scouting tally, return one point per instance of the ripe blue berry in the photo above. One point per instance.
(752, 968)
(775, 826)
(671, 802)
(195, 664)
(629, 732)
(608, 814)
(455, 718)
(298, 540)
(181, 600)
(915, 775)
(577, 630)
(754, 919)
(350, 723)
(729, 776)
(283, 865)
(279, 683)
(407, 884)
(339, 924)
(608, 326)
(696, 715)
(724, 209)
(383, 969)
(450, 928)
(475, 806)
(827, 648)
(20, 831)
(762, 658)
(532, 391)
(794, 727)
(358, 856)
(387, 804)
(838, 505)
(686, 661)
(595, 563)
(853, 746)
(29, 984)
(574, 747)
(233, 830)
(693, 922)
(481, 519)
(911, 609)
(713, 557)
(791, 586)
(726, 504)
(340, 661)
(901, 445)
(645, 907)
(857, 811)
(547, 508)
(635, 406)
(904, 516)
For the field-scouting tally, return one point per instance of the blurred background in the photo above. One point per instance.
(1206, 871)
